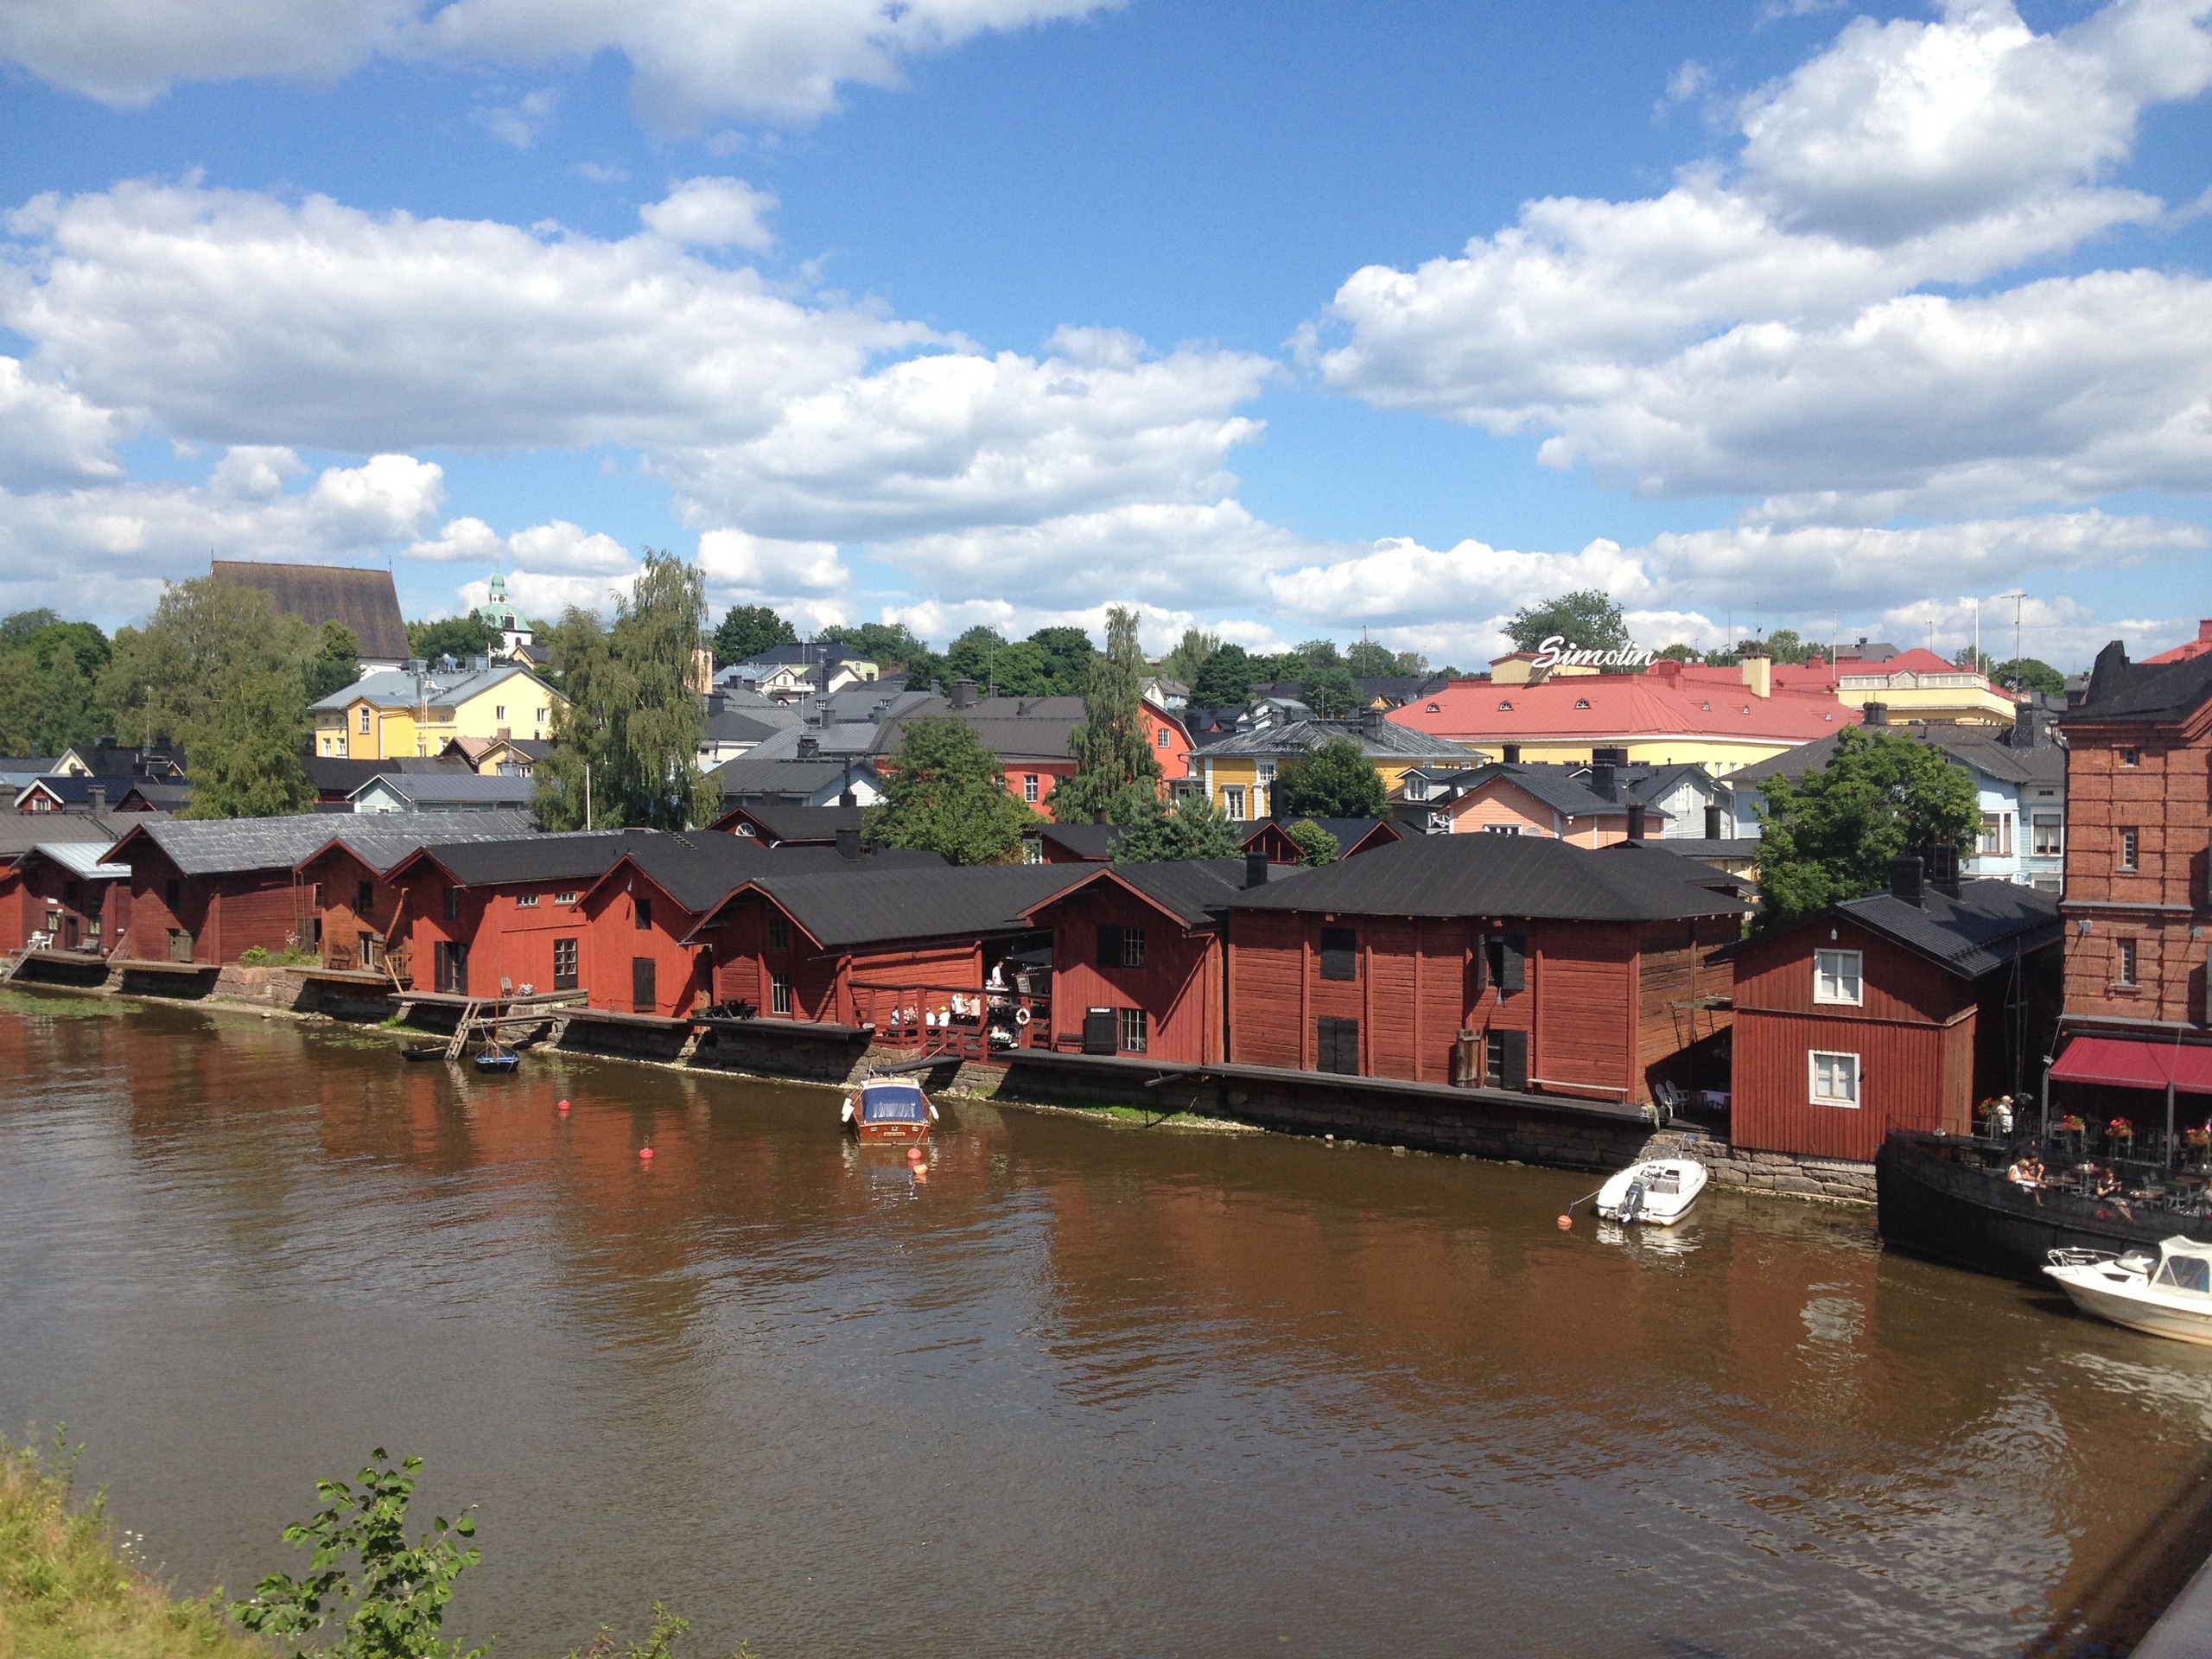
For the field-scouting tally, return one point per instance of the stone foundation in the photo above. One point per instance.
(1792, 1175)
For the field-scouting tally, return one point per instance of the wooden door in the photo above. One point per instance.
(642, 998)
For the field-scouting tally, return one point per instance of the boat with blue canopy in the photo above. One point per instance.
(888, 1110)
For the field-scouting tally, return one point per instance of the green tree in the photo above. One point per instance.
(1336, 780)
(1679, 652)
(1316, 846)
(1072, 655)
(67, 716)
(457, 637)
(1225, 679)
(336, 663)
(1190, 655)
(947, 794)
(1329, 691)
(243, 749)
(1830, 835)
(91, 647)
(746, 631)
(23, 704)
(15, 630)
(1368, 661)
(1191, 828)
(1023, 670)
(970, 657)
(1586, 619)
(1114, 758)
(893, 648)
(2029, 674)
(398, 1593)
(631, 716)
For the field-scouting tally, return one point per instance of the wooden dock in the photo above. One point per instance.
(487, 1018)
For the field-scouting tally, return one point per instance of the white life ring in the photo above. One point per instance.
(1021, 1016)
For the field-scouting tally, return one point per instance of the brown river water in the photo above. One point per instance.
(1082, 1390)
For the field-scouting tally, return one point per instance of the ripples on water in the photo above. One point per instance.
(1082, 1391)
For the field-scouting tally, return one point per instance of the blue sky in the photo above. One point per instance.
(1003, 310)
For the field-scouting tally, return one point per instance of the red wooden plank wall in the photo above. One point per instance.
(1178, 986)
(613, 942)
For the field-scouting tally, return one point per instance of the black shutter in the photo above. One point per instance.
(1513, 962)
(1337, 1046)
(1109, 950)
(1339, 953)
(641, 984)
(1478, 969)
(1099, 1033)
(1515, 1071)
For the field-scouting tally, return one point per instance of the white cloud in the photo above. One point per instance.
(50, 434)
(600, 173)
(520, 124)
(1158, 629)
(692, 59)
(740, 563)
(714, 213)
(1760, 332)
(558, 547)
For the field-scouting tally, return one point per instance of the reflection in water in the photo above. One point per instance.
(1066, 1390)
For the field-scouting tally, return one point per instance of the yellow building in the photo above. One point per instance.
(1917, 686)
(391, 715)
(1238, 774)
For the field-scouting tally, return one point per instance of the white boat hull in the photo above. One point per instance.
(1670, 1186)
(2127, 1299)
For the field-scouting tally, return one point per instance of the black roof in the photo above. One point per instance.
(21, 831)
(844, 908)
(699, 868)
(1967, 936)
(1195, 889)
(1995, 751)
(1347, 833)
(2154, 693)
(807, 825)
(578, 855)
(76, 789)
(1090, 841)
(1450, 876)
(337, 774)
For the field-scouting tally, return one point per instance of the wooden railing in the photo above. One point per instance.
(953, 1020)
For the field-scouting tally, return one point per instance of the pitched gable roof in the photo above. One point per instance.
(2152, 693)
(363, 600)
(229, 846)
(844, 909)
(1194, 891)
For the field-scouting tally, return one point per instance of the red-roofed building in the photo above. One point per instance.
(2195, 647)
(1671, 714)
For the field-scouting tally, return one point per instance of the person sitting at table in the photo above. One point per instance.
(2026, 1173)
(2108, 1184)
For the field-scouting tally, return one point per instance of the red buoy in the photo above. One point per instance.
(1566, 1224)
(564, 1106)
(645, 1153)
(915, 1154)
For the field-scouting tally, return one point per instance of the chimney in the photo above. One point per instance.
(1602, 783)
(849, 844)
(846, 799)
(1256, 868)
(1876, 713)
(1512, 754)
(963, 693)
(1370, 721)
(1636, 820)
(1943, 867)
(1759, 674)
(1713, 821)
(98, 797)
(1904, 879)
(2027, 724)
(809, 748)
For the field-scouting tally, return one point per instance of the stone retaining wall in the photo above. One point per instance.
(784, 1048)
(1785, 1174)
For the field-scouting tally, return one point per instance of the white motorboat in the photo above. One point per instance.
(2169, 1295)
(1659, 1191)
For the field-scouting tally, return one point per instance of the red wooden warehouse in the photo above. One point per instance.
(1897, 1011)
(1498, 960)
(466, 915)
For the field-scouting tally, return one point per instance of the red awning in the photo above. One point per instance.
(2135, 1065)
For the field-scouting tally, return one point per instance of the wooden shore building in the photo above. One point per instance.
(462, 915)
(1514, 962)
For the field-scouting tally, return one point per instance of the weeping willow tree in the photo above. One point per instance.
(634, 716)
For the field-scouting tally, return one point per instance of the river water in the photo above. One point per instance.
(1082, 1391)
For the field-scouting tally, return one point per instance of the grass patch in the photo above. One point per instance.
(68, 1589)
(65, 1002)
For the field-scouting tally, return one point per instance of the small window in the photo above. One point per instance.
(1582, 702)
(780, 933)
(365, 898)
(569, 898)
(1161, 738)
(2126, 962)
(1029, 788)
(498, 711)
(2130, 757)
(2131, 849)
(644, 912)
(1501, 828)
(2050, 835)
(1834, 1079)
(1505, 708)
(526, 901)
(1996, 838)
(1130, 1036)
(1132, 947)
(1435, 708)
(779, 994)
(564, 964)
(365, 719)
(1339, 953)
(541, 716)
(453, 904)
(1837, 977)
(172, 895)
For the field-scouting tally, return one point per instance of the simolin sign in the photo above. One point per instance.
(1555, 652)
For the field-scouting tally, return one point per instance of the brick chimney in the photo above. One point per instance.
(1759, 674)
(963, 693)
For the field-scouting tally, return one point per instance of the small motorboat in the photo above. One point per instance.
(888, 1110)
(1658, 1192)
(2168, 1295)
(424, 1051)
(494, 1058)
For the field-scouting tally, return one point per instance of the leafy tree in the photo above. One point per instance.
(1679, 652)
(1830, 835)
(1024, 670)
(892, 647)
(15, 631)
(457, 637)
(746, 631)
(91, 645)
(1191, 828)
(1114, 757)
(1784, 645)
(1190, 656)
(336, 663)
(1586, 619)
(22, 703)
(245, 747)
(631, 716)
(947, 794)
(1225, 679)
(67, 716)
(1329, 691)
(398, 1593)
(1317, 653)
(1368, 661)
(1336, 780)
(970, 657)
(1316, 846)
(1072, 655)
(2029, 674)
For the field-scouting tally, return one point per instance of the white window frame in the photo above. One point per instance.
(365, 719)
(2048, 831)
(1132, 1031)
(1029, 788)
(526, 901)
(1846, 971)
(2131, 850)
(1813, 1059)
(1995, 840)
(780, 993)
(1232, 803)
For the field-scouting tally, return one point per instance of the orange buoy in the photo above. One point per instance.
(645, 1153)
(915, 1154)
(1566, 1224)
(921, 1171)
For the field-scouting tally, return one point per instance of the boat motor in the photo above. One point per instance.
(1632, 1202)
